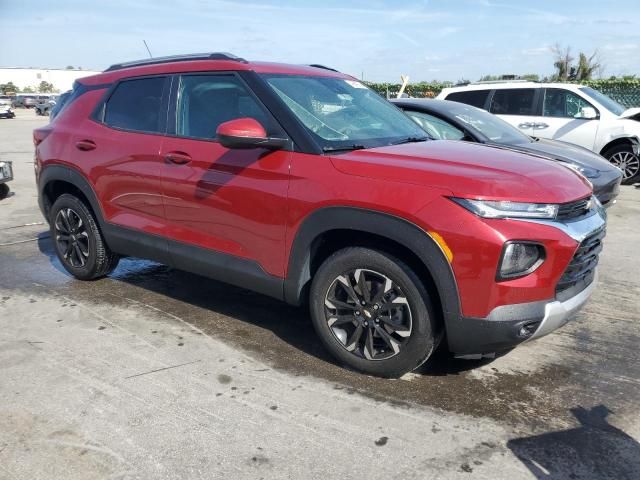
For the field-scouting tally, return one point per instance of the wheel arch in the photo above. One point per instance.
(329, 229)
(634, 142)
(55, 180)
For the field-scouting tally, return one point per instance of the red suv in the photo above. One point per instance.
(300, 183)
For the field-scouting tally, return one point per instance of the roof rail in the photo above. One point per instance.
(324, 67)
(519, 80)
(176, 58)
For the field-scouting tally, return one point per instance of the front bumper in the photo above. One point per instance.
(510, 325)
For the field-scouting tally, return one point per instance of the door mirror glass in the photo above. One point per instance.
(246, 133)
(588, 113)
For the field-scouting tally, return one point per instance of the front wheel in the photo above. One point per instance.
(623, 157)
(372, 312)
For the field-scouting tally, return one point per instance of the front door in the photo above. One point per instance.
(221, 201)
(560, 120)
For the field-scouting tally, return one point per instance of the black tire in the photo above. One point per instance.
(623, 156)
(414, 340)
(4, 191)
(90, 257)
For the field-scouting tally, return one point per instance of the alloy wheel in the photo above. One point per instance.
(368, 314)
(627, 162)
(72, 237)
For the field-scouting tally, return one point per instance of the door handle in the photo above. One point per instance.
(540, 126)
(526, 125)
(86, 145)
(179, 158)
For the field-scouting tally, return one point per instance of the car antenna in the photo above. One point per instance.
(147, 47)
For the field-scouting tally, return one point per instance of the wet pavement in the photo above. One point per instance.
(157, 373)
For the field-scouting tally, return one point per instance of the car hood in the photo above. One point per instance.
(468, 170)
(566, 152)
(631, 113)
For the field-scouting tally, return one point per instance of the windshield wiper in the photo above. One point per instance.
(412, 140)
(343, 148)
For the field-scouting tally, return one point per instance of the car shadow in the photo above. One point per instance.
(595, 449)
(290, 324)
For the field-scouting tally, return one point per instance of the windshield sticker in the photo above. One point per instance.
(355, 84)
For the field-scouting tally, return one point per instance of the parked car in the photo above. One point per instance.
(44, 108)
(561, 111)
(446, 120)
(60, 102)
(6, 110)
(25, 101)
(6, 175)
(301, 183)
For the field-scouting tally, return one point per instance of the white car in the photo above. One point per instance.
(562, 111)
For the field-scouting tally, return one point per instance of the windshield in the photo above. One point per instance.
(607, 102)
(492, 127)
(343, 114)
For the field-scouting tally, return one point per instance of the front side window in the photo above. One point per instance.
(562, 103)
(342, 113)
(136, 105)
(514, 101)
(206, 101)
(475, 98)
(436, 128)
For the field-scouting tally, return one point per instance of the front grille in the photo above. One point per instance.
(580, 272)
(570, 210)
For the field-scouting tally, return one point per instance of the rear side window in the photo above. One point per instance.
(516, 101)
(136, 105)
(206, 101)
(477, 98)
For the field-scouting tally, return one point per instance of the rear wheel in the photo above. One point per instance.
(623, 157)
(78, 241)
(4, 191)
(372, 312)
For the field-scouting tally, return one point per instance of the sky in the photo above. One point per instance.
(376, 40)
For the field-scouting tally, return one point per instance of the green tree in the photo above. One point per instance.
(562, 62)
(6, 88)
(46, 87)
(28, 90)
(70, 67)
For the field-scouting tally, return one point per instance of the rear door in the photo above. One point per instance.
(518, 106)
(229, 202)
(120, 149)
(558, 120)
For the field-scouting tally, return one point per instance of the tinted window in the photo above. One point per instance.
(562, 103)
(477, 98)
(206, 101)
(516, 101)
(435, 127)
(135, 105)
(607, 102)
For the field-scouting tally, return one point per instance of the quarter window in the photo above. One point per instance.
(562, 103)
(477, 98)
(206, 101)
(516, 101)
(136, 105)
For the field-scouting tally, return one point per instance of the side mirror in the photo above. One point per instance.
(247, 133)
(587, 113)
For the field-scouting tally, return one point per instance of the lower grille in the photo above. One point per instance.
(581, 270)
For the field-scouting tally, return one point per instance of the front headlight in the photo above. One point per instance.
(507, 209)
(585, 171)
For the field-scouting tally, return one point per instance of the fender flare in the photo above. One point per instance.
(383, 224)
(632, 139)
(74, 177)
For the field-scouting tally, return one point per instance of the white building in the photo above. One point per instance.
(62, 80)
